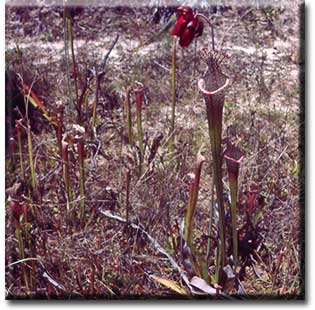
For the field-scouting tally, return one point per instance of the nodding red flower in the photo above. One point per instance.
(187, 27)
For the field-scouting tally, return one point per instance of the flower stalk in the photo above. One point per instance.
(18, 128)
(128, 178)
(80, 145)
(30, 153)
(66, 174)
(59, 127)
(173, 98)
(18, 216)
(127, 106)
(69, 40)
(12, 152)
(139, 101)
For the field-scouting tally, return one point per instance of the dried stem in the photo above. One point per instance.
(80, 145)
(66, 174)
(128, 177)
(30, 153)
(173, 98)
(67, 60)
(128, 116)
(18, 128)
(139, 102)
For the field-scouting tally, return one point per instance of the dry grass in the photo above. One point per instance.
(106, 260)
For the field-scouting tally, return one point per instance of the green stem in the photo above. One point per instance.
(82, 186)
(173, 98)
(233, 191)
(66, 174)
(66, 42)
(70, 35)
(19, 138)
(128, 177)
(128, 116)
(95, 103)
(18, 234)
(139, 100)
(30, 153)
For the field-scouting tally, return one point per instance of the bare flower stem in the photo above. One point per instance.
(66, 174)
(19, 237)
(128, 116)
(19, 138)
(211, 27)
(12, 153)
(67, 60)
(173, 97)
(82, 179)
(30, 153)
(59, 127)
(139, 101)
(74, 66)
(128, 177)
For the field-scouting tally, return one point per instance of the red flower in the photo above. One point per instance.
(187, 27)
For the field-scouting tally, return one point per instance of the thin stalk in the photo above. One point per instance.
(128, 177)
(173, 97)
(12, 153)
(139, 101)
(98, 76)
(30, 153)
(66, 174)
(59, 127)
(82, 179)
(74, 66)
(92, 281)
(211, 27)
(128, 116)
(18, 234)
(95, 103)
(18, 128)
(67, 60)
